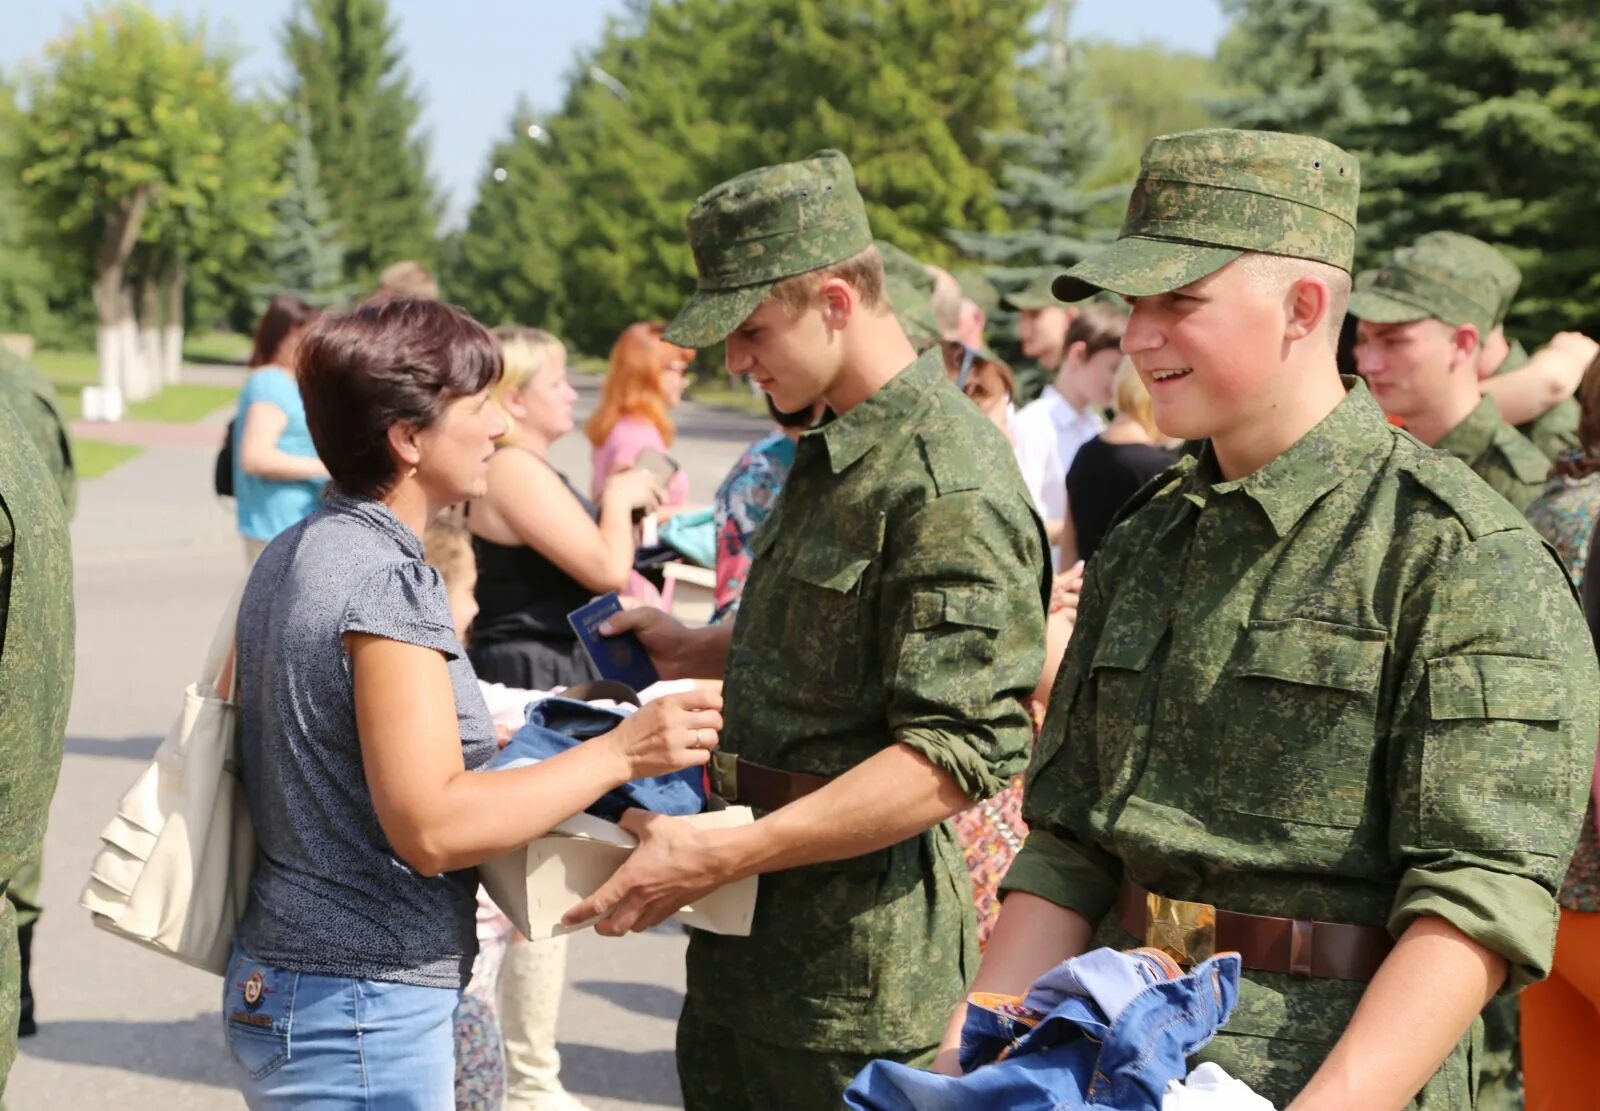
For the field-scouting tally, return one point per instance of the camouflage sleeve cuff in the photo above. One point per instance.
(951, 754)
(1509, 915)
(1061, 872)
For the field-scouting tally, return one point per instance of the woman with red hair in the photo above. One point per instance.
(646, 380)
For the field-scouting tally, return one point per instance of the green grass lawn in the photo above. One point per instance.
(91, 458)
(180, 404)
(216, 347)
(719, 392)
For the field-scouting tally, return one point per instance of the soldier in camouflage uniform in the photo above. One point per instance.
(36, 664)
(909, 287)
(34, 400)
(890, 630)
(1422, 315)
(1555, 431)
(1042, 324)
(1329, 701)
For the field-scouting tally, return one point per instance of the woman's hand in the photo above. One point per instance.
(1064, 592)
(678, 731)
(634, 489)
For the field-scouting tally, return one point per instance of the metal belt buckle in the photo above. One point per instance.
(725, 776)
(1185, 931)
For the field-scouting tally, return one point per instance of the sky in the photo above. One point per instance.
(473, 58)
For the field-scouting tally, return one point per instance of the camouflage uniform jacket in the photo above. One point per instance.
(1353, 686)
(36, 663)
(36, 403)
(897, 595)
(1498, 454)
(1555, 431)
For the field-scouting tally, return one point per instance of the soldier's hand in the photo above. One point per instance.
(1065, 591)
(669, 641)
(674, 865)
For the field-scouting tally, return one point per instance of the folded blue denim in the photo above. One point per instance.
(556, 724)
(1117, 1032)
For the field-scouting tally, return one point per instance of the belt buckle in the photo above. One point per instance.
(725, 776)
(1185, 931)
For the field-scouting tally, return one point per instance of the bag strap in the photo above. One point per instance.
(220, 654)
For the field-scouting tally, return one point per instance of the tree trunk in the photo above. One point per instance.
(147, 383)
(172, 326)
(113, 306)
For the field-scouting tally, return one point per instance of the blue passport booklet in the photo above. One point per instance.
(621, 658)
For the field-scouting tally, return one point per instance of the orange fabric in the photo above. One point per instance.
(1561, 1022)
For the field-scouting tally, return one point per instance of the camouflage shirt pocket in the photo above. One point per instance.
(1124, 700)
(1498, 770)
(1306, 694)
(825, 617)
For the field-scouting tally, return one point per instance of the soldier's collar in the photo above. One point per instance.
(1342, 444)
(1475, 434)
(860, 430)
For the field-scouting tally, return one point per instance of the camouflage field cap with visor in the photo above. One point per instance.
(1037, 294)
(750, 233)
(1433, 278)
(1505, 275)
(910, 289)
(1204, 198)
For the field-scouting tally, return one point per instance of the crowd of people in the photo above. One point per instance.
(1271, 591)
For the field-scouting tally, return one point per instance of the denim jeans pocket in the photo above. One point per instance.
(258, 1013)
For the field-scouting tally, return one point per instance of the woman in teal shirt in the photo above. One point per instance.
(277, 477)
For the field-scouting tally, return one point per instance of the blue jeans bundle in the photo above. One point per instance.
(557, 724)
(1105, 1030)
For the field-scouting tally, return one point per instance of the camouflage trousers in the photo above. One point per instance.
(726, 1069)
(24, 889)
(1500, 1068)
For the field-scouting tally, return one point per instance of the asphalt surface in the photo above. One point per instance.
(156, 557)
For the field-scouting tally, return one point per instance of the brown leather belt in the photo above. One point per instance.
(737, 780)
(1301, 947)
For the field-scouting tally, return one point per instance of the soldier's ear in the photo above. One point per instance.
(837, 299)
(1306, 306)
(1465, 340)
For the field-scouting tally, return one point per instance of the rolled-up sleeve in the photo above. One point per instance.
(963, 615)
(1058, 862)
(1493, 750)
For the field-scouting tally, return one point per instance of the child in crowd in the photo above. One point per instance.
(505, 1027)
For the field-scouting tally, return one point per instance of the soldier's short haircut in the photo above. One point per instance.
(1099, 326)
(386, 363)
(864, 272)
(1274, 274)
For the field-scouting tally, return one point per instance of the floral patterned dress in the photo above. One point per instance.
(1565, 514)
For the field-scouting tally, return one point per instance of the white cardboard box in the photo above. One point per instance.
(543, 880)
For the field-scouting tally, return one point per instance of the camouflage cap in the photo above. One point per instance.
(1505, 275)
(910, 289)
(1433, 278)
(1037, 294)
(1204, 198)
(750, 233)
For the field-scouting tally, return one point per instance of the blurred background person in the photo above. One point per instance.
(405, 279)
(1561, 1015)
(745, 500)
(1110, 468)
(1042, 321)
(542, 548)
(1069, 413)
(277, 477)
(644, 383)
(985, 380)
(960, 317)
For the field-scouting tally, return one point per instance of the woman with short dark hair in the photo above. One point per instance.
(363, 729)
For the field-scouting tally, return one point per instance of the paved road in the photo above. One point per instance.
(156, 556)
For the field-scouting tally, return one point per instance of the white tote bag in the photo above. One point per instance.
(173, 871)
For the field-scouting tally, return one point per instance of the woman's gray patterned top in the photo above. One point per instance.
(329, 895)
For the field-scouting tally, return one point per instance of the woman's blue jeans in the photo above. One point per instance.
(326, 1042)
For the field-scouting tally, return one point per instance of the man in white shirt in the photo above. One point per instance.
(1067, 415)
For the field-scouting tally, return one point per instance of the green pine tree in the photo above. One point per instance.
(305, 255)
(1481, 116)
(682, 94)
(348, 72)
(506, 264)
